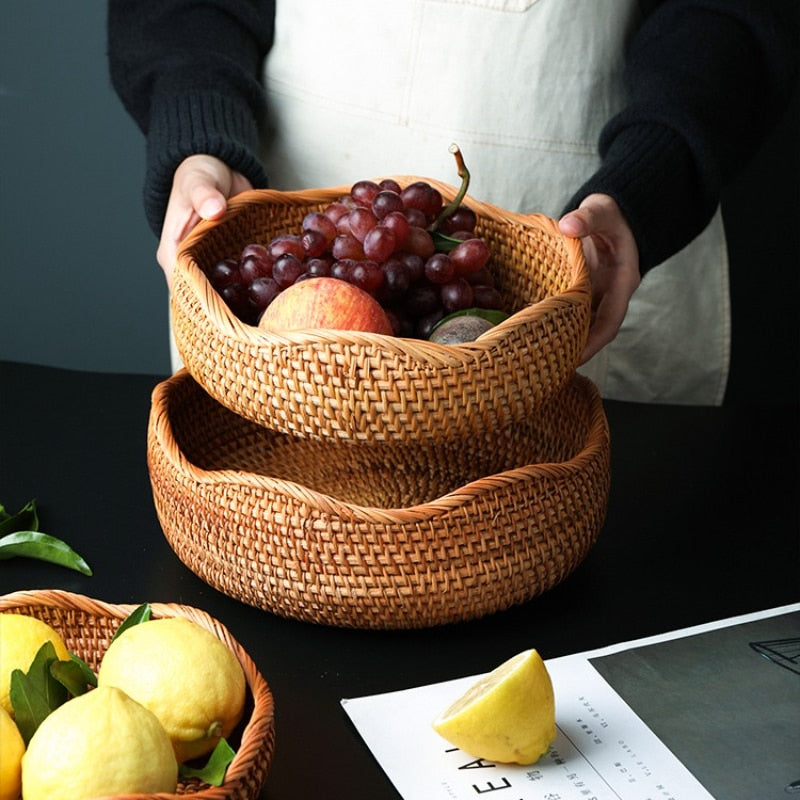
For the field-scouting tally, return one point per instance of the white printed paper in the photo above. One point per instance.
(603, 750)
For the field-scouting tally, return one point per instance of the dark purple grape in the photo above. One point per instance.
(483, 277)
(456, 295)
(419, 242)
(255, 251)
(285, 243)
(255, 263)
(224, 273)
(343, 269)
(235, 296)
(416, 217)
(439, 268)
(414, 264)
(379, 243)
(363, 192)
(335, 210)
(470, 256)
(396, 280)
(314, 243)
(390, 184)
(361, 221)
(319, 222)
(423, 197)
(385, 202)
(424, 324)
(367, 275)
(287, 269)
(397, 223)
(347, 246)
(463, 219)
(422, 299)
(319, 267)
(262, 291)
(487, 297)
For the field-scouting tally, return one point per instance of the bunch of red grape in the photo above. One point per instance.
(401, 245)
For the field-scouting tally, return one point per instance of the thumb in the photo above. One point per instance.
(574, 224)
(207, 200)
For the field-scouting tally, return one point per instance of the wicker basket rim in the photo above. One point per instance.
(263, 702)
(593, 448)
(414, 350)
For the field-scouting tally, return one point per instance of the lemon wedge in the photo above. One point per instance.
(507, 716)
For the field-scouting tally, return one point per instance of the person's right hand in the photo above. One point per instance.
(201, 187)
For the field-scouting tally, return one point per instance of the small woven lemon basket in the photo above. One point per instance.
(87, 627)
(370, 387)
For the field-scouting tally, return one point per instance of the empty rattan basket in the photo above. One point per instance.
(87, 627)
(381, 536)
(367, 387)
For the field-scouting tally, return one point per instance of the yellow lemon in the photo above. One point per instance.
(506, 716)
(20, 639)
(98, 744)
(11, 749)
(185, 675)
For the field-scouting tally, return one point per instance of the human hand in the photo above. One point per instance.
(201, 187)
(613, 261)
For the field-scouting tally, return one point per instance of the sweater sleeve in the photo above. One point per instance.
(706, 80)
(188, 72)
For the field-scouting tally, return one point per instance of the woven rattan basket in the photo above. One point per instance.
(87, 626)
(369, 387)
(379, 536)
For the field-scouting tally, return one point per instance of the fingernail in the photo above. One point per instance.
(570, 226)
(210, 208)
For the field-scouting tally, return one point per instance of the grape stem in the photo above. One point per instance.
(453, 205)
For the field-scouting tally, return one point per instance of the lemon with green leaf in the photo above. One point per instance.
(185, 675)
(21, 637)
(98, 744)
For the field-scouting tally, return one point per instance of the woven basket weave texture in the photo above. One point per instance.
(87, 626)
(384, 536)
(373, 388)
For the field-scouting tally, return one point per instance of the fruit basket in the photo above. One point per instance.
(87, 626)
(372, 387)
(382, 536)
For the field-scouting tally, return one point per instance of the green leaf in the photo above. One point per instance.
(88, 674)
(213, 773)
(138, 615)
(27, 518)
(30, 705)
(444, 243)
(40, 675)
(70, 675)
(33, 544)
(493, 315)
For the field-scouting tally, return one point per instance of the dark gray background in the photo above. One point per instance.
(81, 286)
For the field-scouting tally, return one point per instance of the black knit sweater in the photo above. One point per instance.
(706, 80)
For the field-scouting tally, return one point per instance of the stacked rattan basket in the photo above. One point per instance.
(87, 627)
(364, 480)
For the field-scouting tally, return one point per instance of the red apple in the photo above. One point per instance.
(325, 303)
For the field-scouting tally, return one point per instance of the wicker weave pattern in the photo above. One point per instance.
(364, 387)
(87, 626)
(385, 536)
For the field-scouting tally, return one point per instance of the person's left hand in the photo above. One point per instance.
(613, 260)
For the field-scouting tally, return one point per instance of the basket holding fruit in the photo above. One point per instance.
(386, 261)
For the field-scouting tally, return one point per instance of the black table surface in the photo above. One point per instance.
(703, 523)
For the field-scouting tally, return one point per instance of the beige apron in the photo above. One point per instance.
(360, 89)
